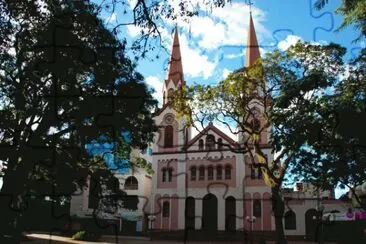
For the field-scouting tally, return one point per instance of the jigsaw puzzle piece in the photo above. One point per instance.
(325, 15)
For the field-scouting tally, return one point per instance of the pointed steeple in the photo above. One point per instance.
(252, 52)
(175, 67)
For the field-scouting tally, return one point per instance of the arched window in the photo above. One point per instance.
(193, 173)
(210, 173)
(257, 208)
(170, 174)
(131, 183)
(290, 220)
(219, 143)
(227, 172)
(210, 142)
(168, 136)
(219, 172)
(200, 144)
(166, 209)
(164, 174)
(201, 173)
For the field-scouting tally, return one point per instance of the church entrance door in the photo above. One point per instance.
(209, 213)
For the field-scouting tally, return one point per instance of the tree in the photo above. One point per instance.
(337, 159)
(286, 88)
(65, 80)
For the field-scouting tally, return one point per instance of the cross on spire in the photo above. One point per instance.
(250, 6)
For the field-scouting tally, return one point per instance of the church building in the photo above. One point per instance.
(198, 183)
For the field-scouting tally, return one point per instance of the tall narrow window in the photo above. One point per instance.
(210, 173)
(227, 172)
(166, 209)
(168, 136)
(200, 144)
(94, 192)
(170, 174)
(219, 172)
(193, 173)
(202, 173)
(210, 142)
(257, 208)
(164, 174)
(290, 220)
(219, 143)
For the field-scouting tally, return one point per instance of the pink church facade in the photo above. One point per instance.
(199, 173)
(198, 183)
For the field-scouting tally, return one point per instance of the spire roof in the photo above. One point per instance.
(252, 52)
(175, 67)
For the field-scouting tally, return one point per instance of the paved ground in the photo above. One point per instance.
(45, 238)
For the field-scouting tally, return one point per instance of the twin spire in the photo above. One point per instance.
(175, 67)
(252, 52)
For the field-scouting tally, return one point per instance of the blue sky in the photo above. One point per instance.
(213, 43)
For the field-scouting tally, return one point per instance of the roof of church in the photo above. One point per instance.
(214, 129)
(252, 52)
(175, 67)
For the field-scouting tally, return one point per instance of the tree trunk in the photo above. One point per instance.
(278, 208)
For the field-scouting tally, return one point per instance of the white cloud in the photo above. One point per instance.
(292, 40)
(226, 26)
(225, 73)
(234, 55)
(155, 83)
(133, 30)
(220, 27)
(194, 63)
(132, 3)
(288, 42)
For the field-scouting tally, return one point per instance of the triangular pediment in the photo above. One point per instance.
(227, 141)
